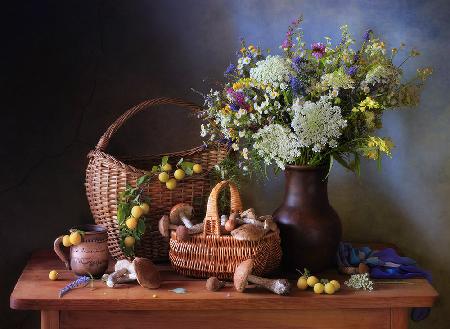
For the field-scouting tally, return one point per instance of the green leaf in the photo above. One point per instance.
(140, 229)
(143, 179)
(164, 160)
(179, 162)
(189, 171)
(155, 169)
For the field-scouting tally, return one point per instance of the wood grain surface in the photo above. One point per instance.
(34, 291)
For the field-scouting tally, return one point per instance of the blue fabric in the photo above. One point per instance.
(385, 264)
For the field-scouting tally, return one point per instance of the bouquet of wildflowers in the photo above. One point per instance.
(311, 105)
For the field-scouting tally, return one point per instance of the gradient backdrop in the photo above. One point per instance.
(69, 68)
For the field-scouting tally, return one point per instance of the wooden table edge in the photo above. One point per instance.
(283, 303)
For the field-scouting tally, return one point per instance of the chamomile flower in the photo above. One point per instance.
(246, 60)
(245, 153)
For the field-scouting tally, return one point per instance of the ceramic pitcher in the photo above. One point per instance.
(91, 256)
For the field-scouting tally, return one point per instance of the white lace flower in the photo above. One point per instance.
(273, 70)
(317, 124)
(382, 74)
(276, 144)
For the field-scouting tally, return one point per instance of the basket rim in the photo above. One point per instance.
(225, 237)
(121, 161)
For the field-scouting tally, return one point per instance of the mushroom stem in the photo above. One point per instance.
(186, 220)
(223, 220)
(115, 277)
(277, 286)
(184, 233)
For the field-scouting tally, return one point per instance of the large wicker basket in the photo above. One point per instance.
(212, 254)
(106, 177)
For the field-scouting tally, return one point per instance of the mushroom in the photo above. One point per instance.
(269, 224)
(141, 269)
(181, 213)
(249, 213)
(214, 284)
(124, 271)
(248, 232)
(243, 275)
(184, 233)
(230, 225)
(147, 274)
(164, 226)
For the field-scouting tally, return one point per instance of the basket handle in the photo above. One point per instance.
(104, 140)
(212, 218)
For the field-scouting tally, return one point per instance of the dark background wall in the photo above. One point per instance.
(69, 68)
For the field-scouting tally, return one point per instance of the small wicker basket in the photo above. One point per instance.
(212, 254)
(107, 176)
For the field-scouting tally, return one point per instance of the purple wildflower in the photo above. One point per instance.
(287, 43)
(318, 49)
(234, 107)
(296, 85)
(230, 69)
(355, 58)
(351, 71)
(81, 281)
(298, 64)
(239, 99)
(367, 34)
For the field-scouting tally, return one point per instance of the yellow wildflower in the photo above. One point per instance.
(226, 109)
(367, 103)
(243, 50)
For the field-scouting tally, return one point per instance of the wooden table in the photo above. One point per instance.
(132, 306)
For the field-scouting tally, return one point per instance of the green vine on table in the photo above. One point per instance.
(133, 204)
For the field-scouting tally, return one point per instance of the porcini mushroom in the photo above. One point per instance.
(243, 275)
(269, 224)
(249, 213)
(184, 234)
(147, 274)
(165, 226)
(181, 213)
(230, 225)
(214, 284)
(248, 232)
(124, 271)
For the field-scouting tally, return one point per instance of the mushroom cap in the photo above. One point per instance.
(249, 213)
(230, 225)
(213, 284)
(176, 210)
(241, 273)
(183, 233)
(147, 274)
(248, 232)
(163, 226)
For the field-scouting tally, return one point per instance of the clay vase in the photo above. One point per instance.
(310, 228)
(91, 256)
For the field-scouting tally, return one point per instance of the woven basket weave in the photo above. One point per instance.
(212, 254)
(107, 176)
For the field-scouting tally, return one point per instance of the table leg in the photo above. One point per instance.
(49, 319)
(399, 318)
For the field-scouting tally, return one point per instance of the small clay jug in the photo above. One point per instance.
(310, 229)
(91, 256)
